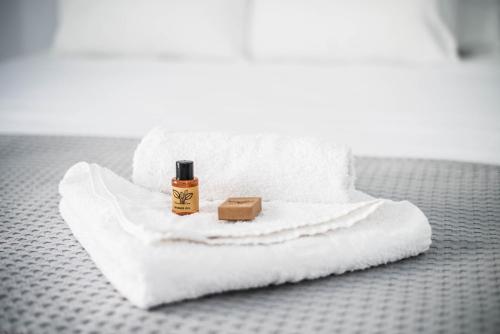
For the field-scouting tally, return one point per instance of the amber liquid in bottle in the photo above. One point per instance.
(185, 195)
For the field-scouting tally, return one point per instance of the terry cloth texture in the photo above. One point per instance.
(151, 264)
(270, 166)
(153, 256)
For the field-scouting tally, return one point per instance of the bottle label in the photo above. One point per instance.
(185, 200)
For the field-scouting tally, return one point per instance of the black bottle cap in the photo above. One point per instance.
(184, 170)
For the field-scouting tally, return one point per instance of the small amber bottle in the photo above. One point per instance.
(185, 196)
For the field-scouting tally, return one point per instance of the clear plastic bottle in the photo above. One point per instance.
(185, 194)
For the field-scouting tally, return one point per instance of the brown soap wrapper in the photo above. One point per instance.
(240, 208)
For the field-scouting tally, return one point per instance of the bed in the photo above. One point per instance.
(428, 133)
(49, 283)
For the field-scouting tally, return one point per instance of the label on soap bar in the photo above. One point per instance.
(185, 200)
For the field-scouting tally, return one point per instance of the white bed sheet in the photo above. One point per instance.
(447, 112)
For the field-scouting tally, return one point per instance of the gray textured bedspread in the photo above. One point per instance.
(49, 284)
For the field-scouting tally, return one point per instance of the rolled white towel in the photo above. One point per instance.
(274, 167)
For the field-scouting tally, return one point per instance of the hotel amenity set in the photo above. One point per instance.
(185, 197)
(270, 210)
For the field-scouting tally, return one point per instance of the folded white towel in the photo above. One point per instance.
(147, 216)
(152, 256)
(274, 167)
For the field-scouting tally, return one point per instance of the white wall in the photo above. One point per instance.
(26, 26)
(479, 30)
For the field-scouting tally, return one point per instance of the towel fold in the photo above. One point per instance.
(147, 215)
(150, 274)
(314, 223)
(305, 170)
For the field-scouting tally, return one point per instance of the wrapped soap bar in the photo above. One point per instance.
(240, 208)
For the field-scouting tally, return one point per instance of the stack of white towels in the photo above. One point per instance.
(314, 223)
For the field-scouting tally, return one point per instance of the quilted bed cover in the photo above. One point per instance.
(49, 284)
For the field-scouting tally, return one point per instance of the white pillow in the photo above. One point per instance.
(394, 30)
(192, 28)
